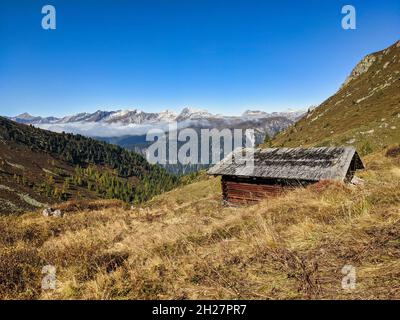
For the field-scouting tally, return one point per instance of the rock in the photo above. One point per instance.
(357, 181)
(368, 132)
(50, 212)
(361, 68)
(57, 213)
(47, 212)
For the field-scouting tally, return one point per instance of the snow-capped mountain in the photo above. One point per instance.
(129, 128)
(290, 114)
(135, 116)
(191, 113)
(29, 119)
(137, 122)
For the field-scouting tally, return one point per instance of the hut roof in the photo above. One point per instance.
(311, 164)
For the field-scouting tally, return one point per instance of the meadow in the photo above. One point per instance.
(185, 244)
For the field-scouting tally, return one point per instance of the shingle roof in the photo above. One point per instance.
(312, 164)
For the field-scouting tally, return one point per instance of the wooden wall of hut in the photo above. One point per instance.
(238, 191)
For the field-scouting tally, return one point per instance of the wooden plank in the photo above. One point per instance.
(258, 193)
(246, 186)
(248, 193)
(234, 199)
(251, 186)
(233, 196)
(271, 191)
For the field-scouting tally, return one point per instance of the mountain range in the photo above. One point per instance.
(135, 116)
(135, 122)
(128, 128)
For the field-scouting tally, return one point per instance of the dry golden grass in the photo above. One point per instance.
(186, 245)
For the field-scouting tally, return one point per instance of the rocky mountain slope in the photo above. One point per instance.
(365, 112)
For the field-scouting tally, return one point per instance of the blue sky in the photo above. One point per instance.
(224, 56)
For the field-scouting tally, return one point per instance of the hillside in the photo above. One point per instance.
(365, 112)
(185, 245)
(39, 167)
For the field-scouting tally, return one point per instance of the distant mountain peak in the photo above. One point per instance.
(193, 113)
(167, 116)
(291, 114)
(254, 113)
(25, 115)
(191, 110)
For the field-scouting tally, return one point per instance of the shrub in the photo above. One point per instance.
(20, 272)
(393, 152)
(366, 148)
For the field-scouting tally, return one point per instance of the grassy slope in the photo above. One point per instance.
(184, 244)
(365, 112)
(19, 161)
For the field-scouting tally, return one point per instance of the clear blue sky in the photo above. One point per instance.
(224, 56)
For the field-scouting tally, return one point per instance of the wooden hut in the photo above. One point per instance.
(269, 172)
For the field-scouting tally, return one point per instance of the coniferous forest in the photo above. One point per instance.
(108, 170)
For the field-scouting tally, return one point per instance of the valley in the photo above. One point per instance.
(128, 128)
